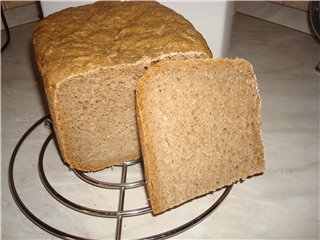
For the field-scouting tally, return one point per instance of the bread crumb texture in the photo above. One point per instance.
(199, 126)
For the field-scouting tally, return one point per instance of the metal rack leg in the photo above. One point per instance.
(121, 201)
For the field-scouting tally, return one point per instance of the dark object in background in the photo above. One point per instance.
(3, 18)
(314, 14)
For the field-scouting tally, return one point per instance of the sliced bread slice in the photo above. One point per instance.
(199, 127)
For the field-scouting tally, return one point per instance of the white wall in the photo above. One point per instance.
(212, 19)
(49, 7)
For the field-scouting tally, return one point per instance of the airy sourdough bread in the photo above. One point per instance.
(90, 58)
(199, 125)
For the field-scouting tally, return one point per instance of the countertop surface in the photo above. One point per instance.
(281, 203)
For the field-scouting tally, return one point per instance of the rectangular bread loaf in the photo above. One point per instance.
(199, 125)
(90, 58)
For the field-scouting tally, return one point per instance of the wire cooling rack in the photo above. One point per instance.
(121, 186)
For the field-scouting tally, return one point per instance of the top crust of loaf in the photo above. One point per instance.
(105, 34)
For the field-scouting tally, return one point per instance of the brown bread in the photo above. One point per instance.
(199, 125)
(90, 58)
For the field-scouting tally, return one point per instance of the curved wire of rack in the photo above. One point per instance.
(122, 186)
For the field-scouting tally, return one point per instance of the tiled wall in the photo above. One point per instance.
(274, 12)
(21, 12)
(270, 11)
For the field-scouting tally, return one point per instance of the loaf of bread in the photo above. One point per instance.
(199, 125)
(90, 58)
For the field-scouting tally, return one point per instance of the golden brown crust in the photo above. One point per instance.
(145, 141)
(109, 34)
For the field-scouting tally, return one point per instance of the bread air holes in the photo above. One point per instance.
(161, 89)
